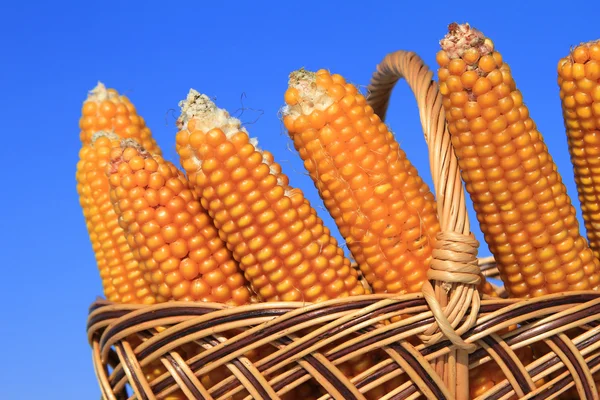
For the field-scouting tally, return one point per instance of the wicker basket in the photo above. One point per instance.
(457, 327)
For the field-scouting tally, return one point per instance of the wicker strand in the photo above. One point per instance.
(454, 261)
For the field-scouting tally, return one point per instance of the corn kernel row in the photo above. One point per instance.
(383, 209)
(172, 236)
(105, 109)
(108, 117)
(521, 203)
(283, 247)
(579, 83)
(173, 239)
(122, 279)
(285, 250)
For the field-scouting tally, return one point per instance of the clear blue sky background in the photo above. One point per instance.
(53, 52)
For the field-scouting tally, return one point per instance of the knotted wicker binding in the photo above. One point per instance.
(457, 328)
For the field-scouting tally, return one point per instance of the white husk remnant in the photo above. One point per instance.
(99, 134)
(461, 37)
(100, 93)
(207, 115)
(311, 96)
(125, 143)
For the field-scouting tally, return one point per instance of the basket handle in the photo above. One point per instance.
(454, 268)
(450, 194)
(454, 272)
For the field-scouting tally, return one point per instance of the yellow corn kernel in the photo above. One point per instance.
(107, 110)
(382, 207)
(546, 200)
(284, 242)
(486, 288)
(122, 279)
(189, 262)
(580, 100)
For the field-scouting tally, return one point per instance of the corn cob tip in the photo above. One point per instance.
(304, 95)
(582, 53)
(195, 105)
(461, 37)
(588, 43)
(302, 76)
(206, 115)
(101, 93)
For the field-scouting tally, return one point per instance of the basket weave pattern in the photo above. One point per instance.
(457, 327)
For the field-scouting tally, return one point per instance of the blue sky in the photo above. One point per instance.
(239, 52)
